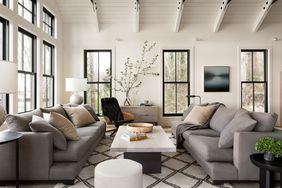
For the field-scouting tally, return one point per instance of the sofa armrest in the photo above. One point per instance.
(35, 157)
(244, 146)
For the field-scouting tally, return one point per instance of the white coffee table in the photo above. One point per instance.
(148, 151)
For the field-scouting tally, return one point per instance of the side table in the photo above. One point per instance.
(6, 137)
(266, 170)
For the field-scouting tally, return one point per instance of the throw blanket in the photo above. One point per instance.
(181, 128)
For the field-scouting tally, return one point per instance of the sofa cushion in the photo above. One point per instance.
(200, 115)
(79, 116)
(91, 111)
(207, 148)
(58, 109)
(88, 131)
(64, 125)
(100, 125)
(38, 124)
(17, 123)
(221, 118)
(265, 121)
(201, 132)
(75, 150)
(242, 121)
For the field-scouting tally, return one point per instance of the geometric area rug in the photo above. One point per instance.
(179, 170)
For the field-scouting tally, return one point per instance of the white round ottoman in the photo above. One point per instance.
(119, 173)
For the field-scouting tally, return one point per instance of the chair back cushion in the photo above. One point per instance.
(111, 109)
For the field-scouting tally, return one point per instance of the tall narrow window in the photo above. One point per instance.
(26, 71)
(254, 80)
(26, 9)
(97, 64)
(176, 81)
(48, 22)
(4, 2)
(48, 75)
(4, 53)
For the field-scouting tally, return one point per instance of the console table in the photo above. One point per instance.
(143, 114)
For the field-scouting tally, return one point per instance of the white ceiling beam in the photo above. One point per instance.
(136, 15)
(223, 8)
(96, 20)
(180, 8)
(262, 14)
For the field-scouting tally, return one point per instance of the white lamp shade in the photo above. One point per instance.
(8, 77)
(76, 84)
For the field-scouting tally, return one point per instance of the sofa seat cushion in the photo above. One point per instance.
(75, 150)
(207, 148)
(201, 132)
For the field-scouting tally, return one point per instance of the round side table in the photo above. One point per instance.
(6, 137)
(266, 170)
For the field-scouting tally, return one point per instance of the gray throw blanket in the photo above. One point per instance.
(181, 128)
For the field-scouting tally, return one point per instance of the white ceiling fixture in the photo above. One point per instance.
(136, 15)
(223, 8)
(180, 8)
(263, 13)
(94, 4)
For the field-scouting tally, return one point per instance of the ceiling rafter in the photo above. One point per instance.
(262, 14)
(94, 4)
(136, 15)
(223, 8)
(179, 14)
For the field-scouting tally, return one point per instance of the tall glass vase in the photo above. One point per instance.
(127, 101)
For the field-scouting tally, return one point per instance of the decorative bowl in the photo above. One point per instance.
(140, 127)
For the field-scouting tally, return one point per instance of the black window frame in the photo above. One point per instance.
(33, 11)
(52, 75)
(5, 3)
(265, 51)
(5, 52)
(34, 67)
(97, 83)
(52, 26)
(176, 82)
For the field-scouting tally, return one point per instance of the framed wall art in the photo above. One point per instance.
(216, 78)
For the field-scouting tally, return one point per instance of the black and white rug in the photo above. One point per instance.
(179, 170)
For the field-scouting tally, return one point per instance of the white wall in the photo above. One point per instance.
(214, 49)
(16, 21)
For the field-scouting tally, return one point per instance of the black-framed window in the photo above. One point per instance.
(27, 9)
(254, 85)
(48, 22)
(4, 55)
(26, 71)
(96, 65)
(176, 81)
(5, 2)
(48, 75)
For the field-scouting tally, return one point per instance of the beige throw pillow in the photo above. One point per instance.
(79, 116)
(200, 115)
(64, 125)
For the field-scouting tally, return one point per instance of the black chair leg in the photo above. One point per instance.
(114, 132)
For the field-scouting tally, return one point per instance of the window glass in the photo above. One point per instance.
(26, 9)
(48, 22)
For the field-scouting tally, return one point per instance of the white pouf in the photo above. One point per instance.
(119, 173)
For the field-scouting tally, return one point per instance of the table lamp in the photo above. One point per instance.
(76, 85)
(8, 82)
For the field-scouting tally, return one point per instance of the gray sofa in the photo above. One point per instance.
(227, 164)
(40, 161)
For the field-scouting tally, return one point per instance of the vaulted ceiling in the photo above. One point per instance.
(177, 13)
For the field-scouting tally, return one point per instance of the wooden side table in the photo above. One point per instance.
(267, 170)
(6, 137)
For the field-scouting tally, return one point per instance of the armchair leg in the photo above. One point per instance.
(114, 132)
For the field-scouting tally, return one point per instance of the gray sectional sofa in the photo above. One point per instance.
(232, 163)
(40, 161)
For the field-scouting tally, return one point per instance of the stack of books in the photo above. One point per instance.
(133, 136)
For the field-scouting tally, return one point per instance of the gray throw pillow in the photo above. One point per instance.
(18, 123)
(58, 109)
(241, 122)
(38, 124)
(91, 111)
(266, 121)
(221, 118)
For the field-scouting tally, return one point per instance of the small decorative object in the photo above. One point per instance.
(216, 78)
(140, 127)
(131, 75)
(76, 85)
(133, 136)
(271, 147)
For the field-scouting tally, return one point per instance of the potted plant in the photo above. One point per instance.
(271, 148)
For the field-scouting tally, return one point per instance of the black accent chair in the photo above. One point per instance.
(112, 111)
